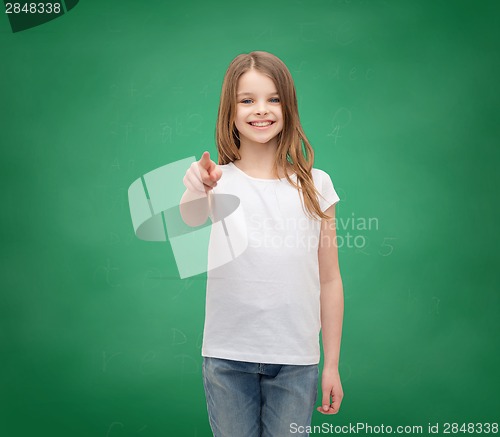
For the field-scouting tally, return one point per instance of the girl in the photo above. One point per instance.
(266, 307)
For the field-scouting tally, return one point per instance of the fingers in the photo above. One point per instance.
(205, 177)
(205, 161)
(325, 402)
(337, 396)
(210, 172)
(192, 183)
(197, 179)
(336, 406)
(332, 407)
(202, 176)
(330, 410)
(216, 173)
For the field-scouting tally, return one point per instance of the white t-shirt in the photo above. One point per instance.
(264, 305)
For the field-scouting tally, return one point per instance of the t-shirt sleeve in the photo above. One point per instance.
(328, 196)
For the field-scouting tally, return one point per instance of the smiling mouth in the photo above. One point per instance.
(261, 123)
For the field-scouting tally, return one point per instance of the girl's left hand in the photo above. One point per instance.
(330, 385)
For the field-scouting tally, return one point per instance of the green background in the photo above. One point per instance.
(100, 337)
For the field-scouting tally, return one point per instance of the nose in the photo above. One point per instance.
(261, 108)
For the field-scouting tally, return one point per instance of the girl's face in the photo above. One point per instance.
(258, 109)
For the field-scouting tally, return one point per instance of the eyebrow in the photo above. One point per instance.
(250, 94)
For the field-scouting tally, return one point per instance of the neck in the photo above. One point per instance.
(258, 157)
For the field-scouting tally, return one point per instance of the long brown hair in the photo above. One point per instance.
(290, 140)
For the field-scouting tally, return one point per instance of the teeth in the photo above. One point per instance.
(261, 124)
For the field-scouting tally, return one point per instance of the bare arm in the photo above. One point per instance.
(332, 313)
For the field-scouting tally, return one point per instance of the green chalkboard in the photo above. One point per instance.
(99, 334)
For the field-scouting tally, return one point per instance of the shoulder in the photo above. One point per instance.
(319, 175)
(317, 171)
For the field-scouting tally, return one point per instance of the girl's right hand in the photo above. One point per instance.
(202, 176)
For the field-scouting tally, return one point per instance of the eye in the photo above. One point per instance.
(275, 100)
(246, 101)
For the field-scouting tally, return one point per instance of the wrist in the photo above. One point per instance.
(331, 366)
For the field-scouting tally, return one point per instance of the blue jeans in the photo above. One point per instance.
(258, 400)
